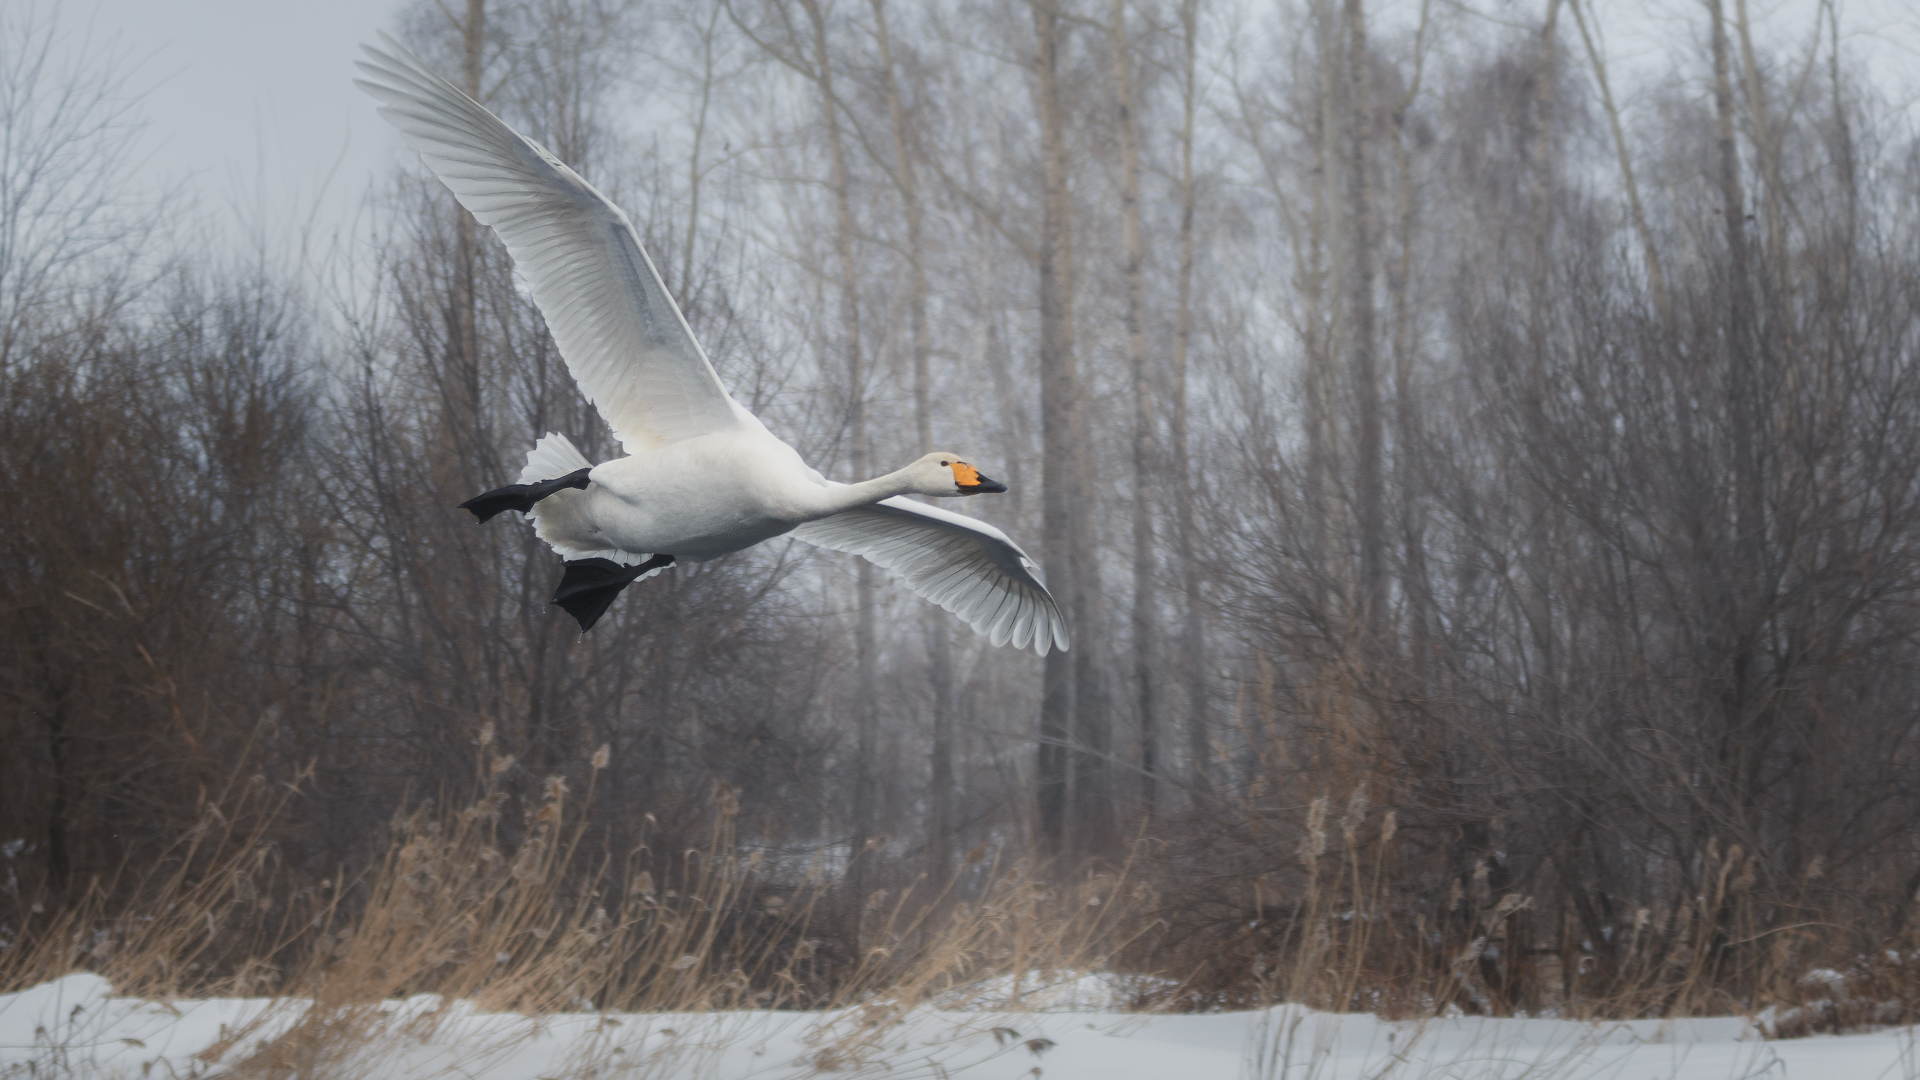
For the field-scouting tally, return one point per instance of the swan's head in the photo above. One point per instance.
(946, 474)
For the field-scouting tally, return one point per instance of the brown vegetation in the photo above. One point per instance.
(548, 923)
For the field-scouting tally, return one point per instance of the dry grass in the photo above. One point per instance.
(1340, 926)
(470, 909)
(202, 917)
(535, 920)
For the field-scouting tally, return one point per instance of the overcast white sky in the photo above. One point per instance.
(252, 106)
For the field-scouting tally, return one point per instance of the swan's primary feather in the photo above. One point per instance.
(619, 330)
(968, 567)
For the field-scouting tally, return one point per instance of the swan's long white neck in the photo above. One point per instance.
(844, 497)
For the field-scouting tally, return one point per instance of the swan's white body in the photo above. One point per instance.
(699, 499)
(703, 477)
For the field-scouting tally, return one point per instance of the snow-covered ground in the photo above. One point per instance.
(74, 1027)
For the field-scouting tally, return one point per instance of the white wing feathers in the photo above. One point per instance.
(553, 456)
(968, 567)
(619, 330)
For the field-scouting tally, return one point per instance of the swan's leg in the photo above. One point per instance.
(589, 586)
(521, 497)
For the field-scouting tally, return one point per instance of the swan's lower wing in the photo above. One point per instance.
(968, 567)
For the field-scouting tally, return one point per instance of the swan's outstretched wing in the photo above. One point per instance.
(966, 566)
(620, 332)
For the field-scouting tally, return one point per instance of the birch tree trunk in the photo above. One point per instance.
(940, 826)
(1059, 392)
(866, 715)
(1542, 513)
(1656, 277)
(1362, 359)
(464, 336)
(1133, 258)
(1738, 738)
(1740, 308)
(695, 170)
(1766, 143)
(1419, 594)
(1318, 270)
(1192, 628)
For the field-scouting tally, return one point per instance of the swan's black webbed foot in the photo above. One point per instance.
(589, 586)
(521, 497)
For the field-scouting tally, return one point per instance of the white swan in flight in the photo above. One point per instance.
(703, 477)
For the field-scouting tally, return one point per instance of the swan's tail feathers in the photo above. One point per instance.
(553, 455)
(588, 587)
(522, 497)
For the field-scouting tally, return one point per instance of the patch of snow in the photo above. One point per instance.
(1054, 991)
(75, 1027)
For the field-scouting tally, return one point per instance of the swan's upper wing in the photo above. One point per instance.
(966, 566)
(620, 332)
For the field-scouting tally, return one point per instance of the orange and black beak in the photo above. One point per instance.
(970, 482)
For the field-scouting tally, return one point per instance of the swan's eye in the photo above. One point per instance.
(944, 463)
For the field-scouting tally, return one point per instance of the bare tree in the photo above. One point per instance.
(1063, 532)
(67, 218)
(1193, 629)
(1133, 270)
(905, 174)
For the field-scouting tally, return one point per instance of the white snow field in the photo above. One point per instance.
(75, 1027)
